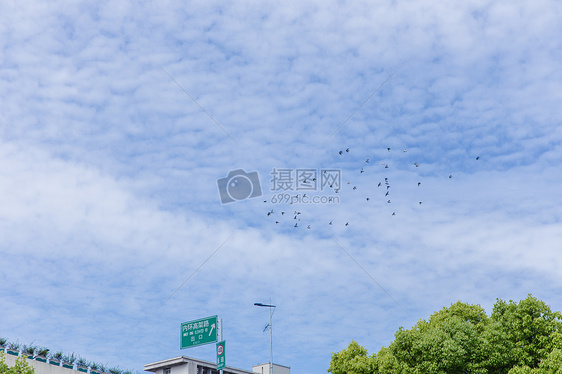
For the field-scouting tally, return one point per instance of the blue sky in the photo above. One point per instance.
(108, 189)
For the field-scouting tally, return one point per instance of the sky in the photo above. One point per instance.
(143, 144)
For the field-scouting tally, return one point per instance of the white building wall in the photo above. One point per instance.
(277, 369)
(41, 367)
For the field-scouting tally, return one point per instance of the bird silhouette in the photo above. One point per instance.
(450, 176)
(386, 194)
(419, 184)
(347, 223)
(340, 152)
(478, 157)
(367, 160)
(393, 213)
(347, 150)
(379, 184)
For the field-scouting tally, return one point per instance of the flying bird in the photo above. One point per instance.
(393, 213)
(347, 150)
(367, 160)
(450, 176)
(340, 152)
(388, 149)
(478, 157)
(386, 194)
(347, 223)
(379, 184)
(417, 165)
(419, 184)
(388, 202)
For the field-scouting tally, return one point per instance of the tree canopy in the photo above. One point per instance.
(21, 366)
(517, 338)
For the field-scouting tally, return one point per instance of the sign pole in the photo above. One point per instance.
(220, 337)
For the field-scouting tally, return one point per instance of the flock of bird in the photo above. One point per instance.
(284, 215)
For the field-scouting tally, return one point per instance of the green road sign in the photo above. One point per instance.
(198, 332)
(221, 355)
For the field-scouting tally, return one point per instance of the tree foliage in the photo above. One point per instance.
(21, 366)
(517, 338)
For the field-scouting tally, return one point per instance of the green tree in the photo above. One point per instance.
(352, 360)
(524, 332)
(518, 338)
(21, 366)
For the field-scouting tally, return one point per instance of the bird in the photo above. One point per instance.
(330, 223)
(367, 160)
(296, 225)
(308, 227)
(450, 176)
(368, 199)
(405, 150)
(419, 184)
(347, 223)
(386, 194)
(393, 213)
(420, 202)
(347, 150)
(417, 165)
(362, 171)
(388, 202)
(379, 184)
(386, 166)
(276, 221)
(388, 149)
(387, 187)
(354, 187)
(340, 152)
(282, 213)
(478, 157)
